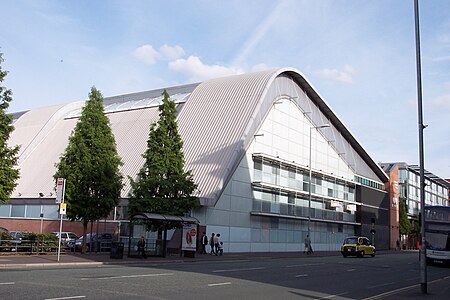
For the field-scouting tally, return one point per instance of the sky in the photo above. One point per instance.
(359, 55)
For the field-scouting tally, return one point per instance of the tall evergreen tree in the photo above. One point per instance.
(90, 165)
(8, 155)
(405, 225)
(162, 185)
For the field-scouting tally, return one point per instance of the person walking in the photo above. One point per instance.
(308, 247)
(216, 243)
(211, 244)
(203, 243)
(141, 247)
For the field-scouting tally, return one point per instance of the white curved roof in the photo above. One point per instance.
(217, 122)
(223, 114)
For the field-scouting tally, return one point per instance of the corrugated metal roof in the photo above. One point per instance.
(217, 124)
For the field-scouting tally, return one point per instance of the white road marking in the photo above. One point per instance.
(62, 298)
(4, 259)
(304, 265)
(5, 283)
(332, 296)
(351, 270)
(393, 292)
(218, 284)
(128, 276)
(380, 285)
(237, 270)
(302, 275)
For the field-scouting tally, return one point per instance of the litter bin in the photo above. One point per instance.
(117, 250)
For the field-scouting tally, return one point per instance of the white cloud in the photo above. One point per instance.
(171, 52)
(146, 54)
(344, 75)
(196, 70)
(260, 67)
(259, 33)
(441, 103)
(440, 58)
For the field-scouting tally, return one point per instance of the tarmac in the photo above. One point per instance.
(439, 289)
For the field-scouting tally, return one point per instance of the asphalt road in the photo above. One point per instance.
(256, 278)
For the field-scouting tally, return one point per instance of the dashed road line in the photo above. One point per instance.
(304, 265)
(63, 298)
(237, 270)
(380, 285)
(219, 284)
(127, 276)
(7, 283)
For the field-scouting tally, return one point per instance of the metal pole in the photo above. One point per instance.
(423, 259)
(41, 215)
(310, 178)
(61, 219)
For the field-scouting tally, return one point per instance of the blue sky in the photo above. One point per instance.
(359, 55)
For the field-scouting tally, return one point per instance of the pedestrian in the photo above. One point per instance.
(216, 243)
(211, 243)
(203, 243)
(308, 247)
(398, 244)
(141, 247)
(220, 248)
(306, 250)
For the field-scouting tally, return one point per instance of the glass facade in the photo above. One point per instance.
(284, 190)
(30, 211)
(409, 190)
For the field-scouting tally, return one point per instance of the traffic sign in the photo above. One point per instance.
(60, 190)
(62, 208)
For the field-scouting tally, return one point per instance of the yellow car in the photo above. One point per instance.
(357, 246)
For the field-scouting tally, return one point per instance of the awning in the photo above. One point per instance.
(166, 218)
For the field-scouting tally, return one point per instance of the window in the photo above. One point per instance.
(18, 211)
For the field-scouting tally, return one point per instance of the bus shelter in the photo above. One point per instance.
(163, 234)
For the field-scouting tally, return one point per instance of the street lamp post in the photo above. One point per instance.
(310, 174)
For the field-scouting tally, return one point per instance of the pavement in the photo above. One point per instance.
(438, 289)
(66, 259)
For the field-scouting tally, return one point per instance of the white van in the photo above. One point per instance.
(66, 237)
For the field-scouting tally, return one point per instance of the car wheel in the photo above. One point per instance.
(373, 255)
(361, 254)
(344, 255)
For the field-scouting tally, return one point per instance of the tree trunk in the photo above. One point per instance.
(83, 245)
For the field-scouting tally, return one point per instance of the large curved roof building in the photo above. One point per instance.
(252, 141)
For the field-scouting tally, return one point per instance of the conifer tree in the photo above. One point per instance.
(162, 185)
(405, 225)
(8, 155)
(90, 165)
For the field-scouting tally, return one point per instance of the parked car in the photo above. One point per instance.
(66, 237)
(357, 246)
(17, 238)
(100, 242)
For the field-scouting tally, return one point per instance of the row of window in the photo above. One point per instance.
(299, 180)
(369, 183)
(289, 205)
(414, 179)
(413, 193)
(48, 211)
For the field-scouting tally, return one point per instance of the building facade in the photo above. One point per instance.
(271, 159)
(404, 185)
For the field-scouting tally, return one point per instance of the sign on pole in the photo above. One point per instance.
(62, 208)
(60, 182)
(60, 190)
